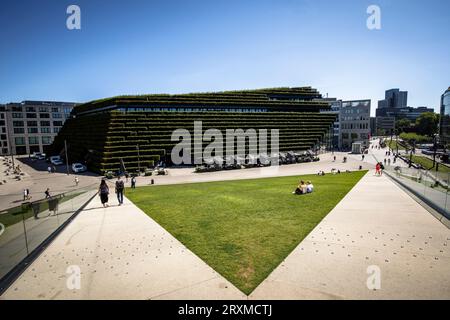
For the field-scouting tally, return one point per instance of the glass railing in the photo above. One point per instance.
(24, 228)
(429, 185)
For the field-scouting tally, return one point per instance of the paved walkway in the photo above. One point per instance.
(37, 180)
(122, 254)
(326, 163)
(378, 224)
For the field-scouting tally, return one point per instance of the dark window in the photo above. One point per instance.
(32, 123)
(33, 140)
(20, 141)
(46, 140)
(18, 123)
(57, 123)
(44, 115)
(19, 130)
(32, 130)
(31, 115)
(45, 123)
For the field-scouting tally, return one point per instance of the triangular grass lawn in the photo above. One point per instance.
(243, 228)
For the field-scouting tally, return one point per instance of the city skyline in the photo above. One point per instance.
(203, 47)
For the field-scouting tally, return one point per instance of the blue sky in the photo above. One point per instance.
(128, 47)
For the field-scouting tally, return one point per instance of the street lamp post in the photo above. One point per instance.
(411, 152)
(390, 144)
(396, 140)
(67, 157)
(139, 160)
(434, 151)
(10, 149)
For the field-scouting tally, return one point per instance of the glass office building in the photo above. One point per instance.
(444, 128)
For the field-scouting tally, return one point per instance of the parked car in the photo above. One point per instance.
(38, 156)
(78, 167)
(56, 160)
(110, 175)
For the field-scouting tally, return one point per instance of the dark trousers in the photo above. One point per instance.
(120, 196)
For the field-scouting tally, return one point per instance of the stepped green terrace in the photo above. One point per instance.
(105, 132)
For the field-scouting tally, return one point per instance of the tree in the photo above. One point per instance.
(427, 124)
(412, 138)
(402, 124)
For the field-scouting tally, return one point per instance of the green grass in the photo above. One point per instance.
(427, 163)
(393, 145)
(243, 228)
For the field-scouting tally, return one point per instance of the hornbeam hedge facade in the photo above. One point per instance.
(138, 129)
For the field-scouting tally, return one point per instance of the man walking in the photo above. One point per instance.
(133, 182)
(119, 190)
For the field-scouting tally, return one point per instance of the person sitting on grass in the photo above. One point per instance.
(301, 188)
(309, 187)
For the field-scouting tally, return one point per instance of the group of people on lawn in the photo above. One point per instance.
(304, 188)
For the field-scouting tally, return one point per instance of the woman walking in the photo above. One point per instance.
(103, 191)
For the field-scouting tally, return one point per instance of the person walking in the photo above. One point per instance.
(26, 193)
(377, 169)
(77, 181)
(362, 158)
(47, 193)
(133, 182)
(103, 191)
(119, 190)
(49, 169)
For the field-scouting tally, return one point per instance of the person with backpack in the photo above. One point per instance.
(103, 191)
(377, 168)
(119, 190)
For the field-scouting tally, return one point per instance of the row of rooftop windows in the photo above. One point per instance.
(20, 141)
(132, 109)
(40, 109)
(35, 123)
(37, 130)
(354, 126)
(18, 115)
